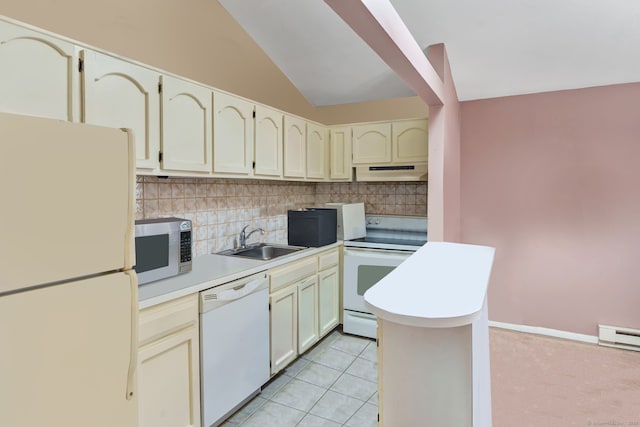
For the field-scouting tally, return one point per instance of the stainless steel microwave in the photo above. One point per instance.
(163, 248)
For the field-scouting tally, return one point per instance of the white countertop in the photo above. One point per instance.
(213, 270)
(441, 285)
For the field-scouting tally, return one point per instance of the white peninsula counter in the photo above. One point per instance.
(433, 336)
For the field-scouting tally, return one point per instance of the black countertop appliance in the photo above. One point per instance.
(312, 227)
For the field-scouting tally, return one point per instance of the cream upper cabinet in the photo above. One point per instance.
(410, 141)
(38, 75)
(117, 93)
(317, 152)
(268, 142)
(186, 126)
(169, 364)
(295, 147)
(308, 331)
(340, 153)
(372, 143)
(232, 134)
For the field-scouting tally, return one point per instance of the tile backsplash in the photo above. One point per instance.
(384, 198)
(219, 208)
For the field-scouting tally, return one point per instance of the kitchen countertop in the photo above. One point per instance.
(441, 285)
(213, 270)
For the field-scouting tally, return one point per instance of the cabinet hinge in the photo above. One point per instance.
(253, 165)
(80, 64)
(378, 416)
(269, 310)
(254, 113)
(159, 87)
(159, 156)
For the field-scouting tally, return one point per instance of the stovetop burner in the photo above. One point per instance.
(393, 232)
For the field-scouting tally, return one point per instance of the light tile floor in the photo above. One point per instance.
(333, 384)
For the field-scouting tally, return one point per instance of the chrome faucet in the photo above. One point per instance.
(244, 236)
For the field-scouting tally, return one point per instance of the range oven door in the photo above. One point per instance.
(363, 268)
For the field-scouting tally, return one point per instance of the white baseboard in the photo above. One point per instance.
(591, 339)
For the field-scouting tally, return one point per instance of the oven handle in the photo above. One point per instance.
(380, 252)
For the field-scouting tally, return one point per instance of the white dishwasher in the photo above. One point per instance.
(234, 345)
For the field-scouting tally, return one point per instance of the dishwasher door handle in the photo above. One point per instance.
(239, 291)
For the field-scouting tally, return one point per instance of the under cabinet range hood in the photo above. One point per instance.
(417, 172)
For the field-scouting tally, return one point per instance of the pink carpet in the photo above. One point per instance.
(539, 381)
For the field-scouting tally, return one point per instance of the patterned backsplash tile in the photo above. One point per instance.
(220, 208)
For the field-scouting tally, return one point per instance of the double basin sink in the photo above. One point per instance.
(262, 251)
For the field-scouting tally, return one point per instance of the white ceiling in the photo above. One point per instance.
(495, 47)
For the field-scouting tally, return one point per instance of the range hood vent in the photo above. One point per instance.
(417, 172)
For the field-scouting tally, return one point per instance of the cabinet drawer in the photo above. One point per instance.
(288, 274)
(328, 259)
(163, 319)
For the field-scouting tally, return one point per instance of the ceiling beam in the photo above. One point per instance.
(380, 26)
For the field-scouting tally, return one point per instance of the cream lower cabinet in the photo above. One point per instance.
(328, 300)
(304, 305)
(285, 283)
(308, 331)
(168, 365)
(328, 291)
(283, 313)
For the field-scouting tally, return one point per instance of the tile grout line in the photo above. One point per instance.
(333, 383)
(366, 401)
(326, 390)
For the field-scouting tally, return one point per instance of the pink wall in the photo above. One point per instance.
(552, 181)
(444, 155)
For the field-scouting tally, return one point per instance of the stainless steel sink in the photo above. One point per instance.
(262, 251)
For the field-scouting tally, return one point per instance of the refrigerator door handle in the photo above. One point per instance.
(133, 347)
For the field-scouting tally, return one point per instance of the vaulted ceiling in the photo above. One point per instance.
(495, 47)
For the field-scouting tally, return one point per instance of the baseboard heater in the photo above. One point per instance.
(613, 336)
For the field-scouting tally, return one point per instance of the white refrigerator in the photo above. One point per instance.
(68, 293)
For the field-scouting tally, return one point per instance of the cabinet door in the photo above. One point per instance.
(410, 142)
(295, 149)
(169, 364)
(372, 143)
(317, 152)
(340, 153)
(307, 313)
(38, 76)
(268, 142)
(123, 95)
(186, 126)
(168, 381)
(329, 299)
(232, 134)
(284, 327)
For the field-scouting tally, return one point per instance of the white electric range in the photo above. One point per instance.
(390, 239)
